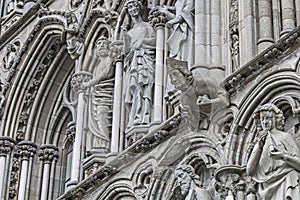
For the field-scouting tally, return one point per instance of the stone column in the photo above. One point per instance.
(158, 21)
(297, 4)
(200, 34)
(265, 39)
(247, 31)
(117, 104)
(216, 33)
(6, 146)
(288, 16)
(47, 154)
(76, 82)
(26, 150)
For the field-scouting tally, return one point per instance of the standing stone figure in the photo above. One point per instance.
(190, 184)
(181, 41)
(74, 46)
(10, 55)
(139, 45)
(101, 96)
(275, 160)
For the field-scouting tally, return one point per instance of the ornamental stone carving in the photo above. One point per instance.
(190, 184)
(200, 97)
(78, 79)
(6, 145)
(139, 47)
(26, 149)
(74, 43)
(275, 160)
(181, 40)
(48, 153)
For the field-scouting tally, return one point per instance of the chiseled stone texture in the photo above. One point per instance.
(154, 100)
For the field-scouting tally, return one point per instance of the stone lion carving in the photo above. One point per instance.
(275, 160)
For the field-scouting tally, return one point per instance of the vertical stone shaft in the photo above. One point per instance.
(200, 34)
(159, 74)
(216, 32)
(45, 183)
(297, 4)
(288, 16)
(116, 123)
(247, 31)
(76, 161)
(265, 25)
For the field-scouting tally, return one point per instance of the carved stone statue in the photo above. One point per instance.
(139, 47)
(181, 40)
(200, 96)
(190, 184)
(101, 96)
(74, 46)
(275, 160)
(10, 55)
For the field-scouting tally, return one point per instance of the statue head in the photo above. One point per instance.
(70, 18)
(180, 76)
(270, 117)
(102, 46)
(134, 7)
(185, 174)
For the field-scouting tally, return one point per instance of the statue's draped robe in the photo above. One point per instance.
(181, 41)
(100, 105)
(277, 180)
(139, 77)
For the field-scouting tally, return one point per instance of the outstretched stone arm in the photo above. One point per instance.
(291, 159)
(255, 156)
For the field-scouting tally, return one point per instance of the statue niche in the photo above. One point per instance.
(139, 48)
(275, 160)
(101, 95)
(200, 97)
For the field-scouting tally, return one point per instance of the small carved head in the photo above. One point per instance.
(180, 76)
(70, 18)
(270, 117)
(134, 7)
(185, 174)
(102, 46)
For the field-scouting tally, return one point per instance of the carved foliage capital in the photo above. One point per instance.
(48, 153)
(6, 145)
(157, 19)
(71, 130)
(78, 79)
(26, 149)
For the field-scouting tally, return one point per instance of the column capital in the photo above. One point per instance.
(157, 19)
(26, 149)
(233, 180)
(6, 145)
(47, 153)
(78, 78)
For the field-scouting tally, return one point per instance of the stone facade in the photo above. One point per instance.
(149, 99)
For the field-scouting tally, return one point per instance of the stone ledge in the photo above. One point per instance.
(262, 62)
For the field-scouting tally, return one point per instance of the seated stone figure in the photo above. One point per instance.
(190, 184)
(199, 97)
(275, 160)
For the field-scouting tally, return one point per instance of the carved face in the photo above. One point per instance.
(76, 3)
(178, 80)
(267, 120)
(133, 9)
(184, 181)
(102, 48)
(9, 48)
